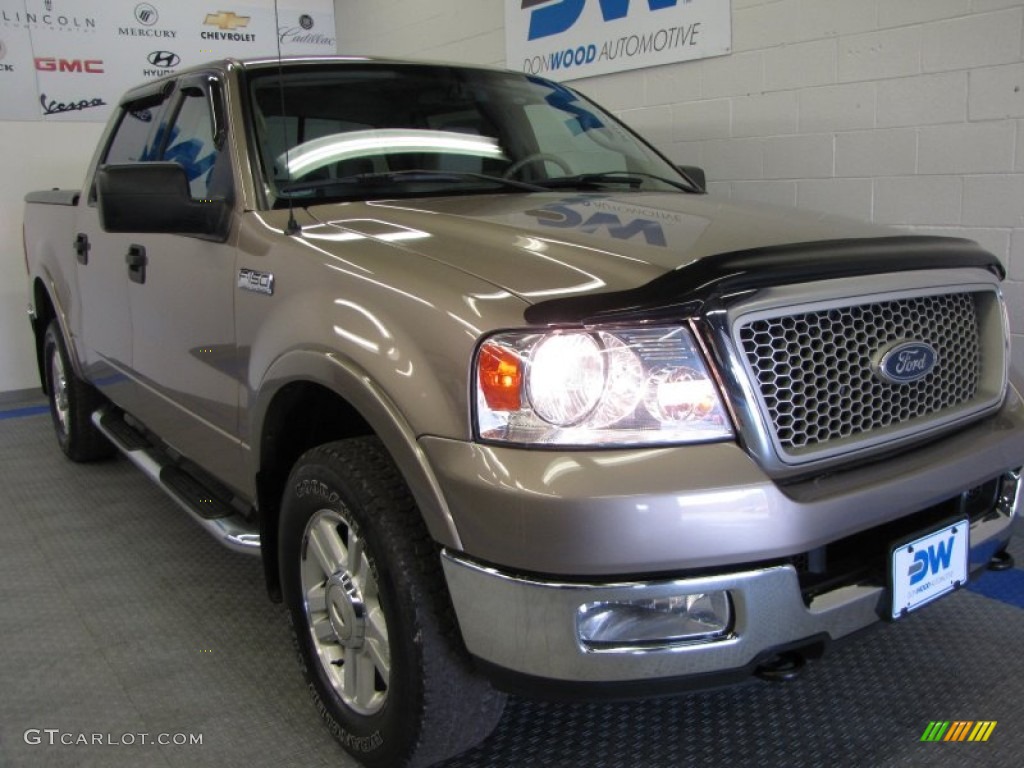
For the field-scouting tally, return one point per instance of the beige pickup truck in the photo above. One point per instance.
(503, 400)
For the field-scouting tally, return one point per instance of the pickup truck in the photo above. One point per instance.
(504, 400)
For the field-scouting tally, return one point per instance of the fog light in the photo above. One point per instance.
(1009, 493)
(653, 623)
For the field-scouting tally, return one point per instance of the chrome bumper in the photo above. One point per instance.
(529, 626)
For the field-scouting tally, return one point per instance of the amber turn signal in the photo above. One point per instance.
(501, 377)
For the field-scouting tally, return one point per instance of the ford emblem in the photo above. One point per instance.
(905, 361)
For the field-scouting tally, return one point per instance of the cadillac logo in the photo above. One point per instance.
(905, 361)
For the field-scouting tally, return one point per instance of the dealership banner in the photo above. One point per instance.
(73, 59)
(570, 39)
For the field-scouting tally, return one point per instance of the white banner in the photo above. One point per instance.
(73, 59)
(570, 39)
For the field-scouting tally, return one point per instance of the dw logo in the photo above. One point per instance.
(564, 217)
(931, 560)
(557, 17)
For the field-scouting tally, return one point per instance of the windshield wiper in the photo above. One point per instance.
(594, 180)
(386, 177)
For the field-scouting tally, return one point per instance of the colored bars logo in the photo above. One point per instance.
(958, 730)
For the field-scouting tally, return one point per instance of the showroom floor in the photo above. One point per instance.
(119, 617)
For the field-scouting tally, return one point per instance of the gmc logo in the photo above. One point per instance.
(50, 64)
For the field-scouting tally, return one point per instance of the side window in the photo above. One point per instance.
(134, 139)
(191, 141)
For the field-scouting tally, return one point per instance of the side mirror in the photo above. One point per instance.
(695, 174)
(155, 197)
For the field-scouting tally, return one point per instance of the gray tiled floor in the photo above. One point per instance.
(118, 616)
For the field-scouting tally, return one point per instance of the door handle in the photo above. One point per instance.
(82, 246)
(136, 261)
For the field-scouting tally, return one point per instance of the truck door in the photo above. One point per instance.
(181, 293)
(105, 323)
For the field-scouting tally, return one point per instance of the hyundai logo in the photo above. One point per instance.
(165, 59)
(905, 361)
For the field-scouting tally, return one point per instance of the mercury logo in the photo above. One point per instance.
(146, 14)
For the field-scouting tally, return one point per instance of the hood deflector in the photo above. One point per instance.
(685, 289)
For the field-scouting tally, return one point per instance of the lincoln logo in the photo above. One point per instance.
(164, 59)
(906, 361)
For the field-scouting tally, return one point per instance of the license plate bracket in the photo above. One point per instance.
(928, 567)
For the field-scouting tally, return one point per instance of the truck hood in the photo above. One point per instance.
(545, 246)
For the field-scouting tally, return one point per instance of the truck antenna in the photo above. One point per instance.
(292, 227)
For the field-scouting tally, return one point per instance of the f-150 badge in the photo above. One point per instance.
(257, 282)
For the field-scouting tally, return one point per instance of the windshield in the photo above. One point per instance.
(364, 131)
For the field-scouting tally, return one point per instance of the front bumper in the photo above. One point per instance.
(528, 626)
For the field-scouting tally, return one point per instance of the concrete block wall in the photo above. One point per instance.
(904, 112)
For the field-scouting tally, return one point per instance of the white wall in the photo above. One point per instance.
(35, 156)
(906, 112)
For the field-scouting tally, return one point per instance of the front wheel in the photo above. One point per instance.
(373, 623)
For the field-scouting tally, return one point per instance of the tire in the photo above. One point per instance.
(374, 627)
(72, 402)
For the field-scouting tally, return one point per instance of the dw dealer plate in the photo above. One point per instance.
(929, 567)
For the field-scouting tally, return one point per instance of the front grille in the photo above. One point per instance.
(818, 386)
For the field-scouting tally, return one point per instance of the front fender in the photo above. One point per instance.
(353, 385)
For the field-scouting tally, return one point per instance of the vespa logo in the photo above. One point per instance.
(50, 64)
(554, 18)
(164, 59)
(930, 561)
(905, 362)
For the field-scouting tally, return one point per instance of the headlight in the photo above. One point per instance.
(606, 387)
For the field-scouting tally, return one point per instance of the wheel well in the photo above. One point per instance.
(301, 416)
(45, 313)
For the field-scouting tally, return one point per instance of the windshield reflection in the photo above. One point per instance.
(357, 131)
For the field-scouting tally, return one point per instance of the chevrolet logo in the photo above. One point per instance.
(226, 20)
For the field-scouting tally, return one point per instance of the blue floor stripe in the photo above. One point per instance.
(18, 413)
(1005, 586)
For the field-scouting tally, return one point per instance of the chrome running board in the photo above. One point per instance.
(216, 516)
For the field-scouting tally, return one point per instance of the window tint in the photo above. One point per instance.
(191, 141)
(131, 142)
